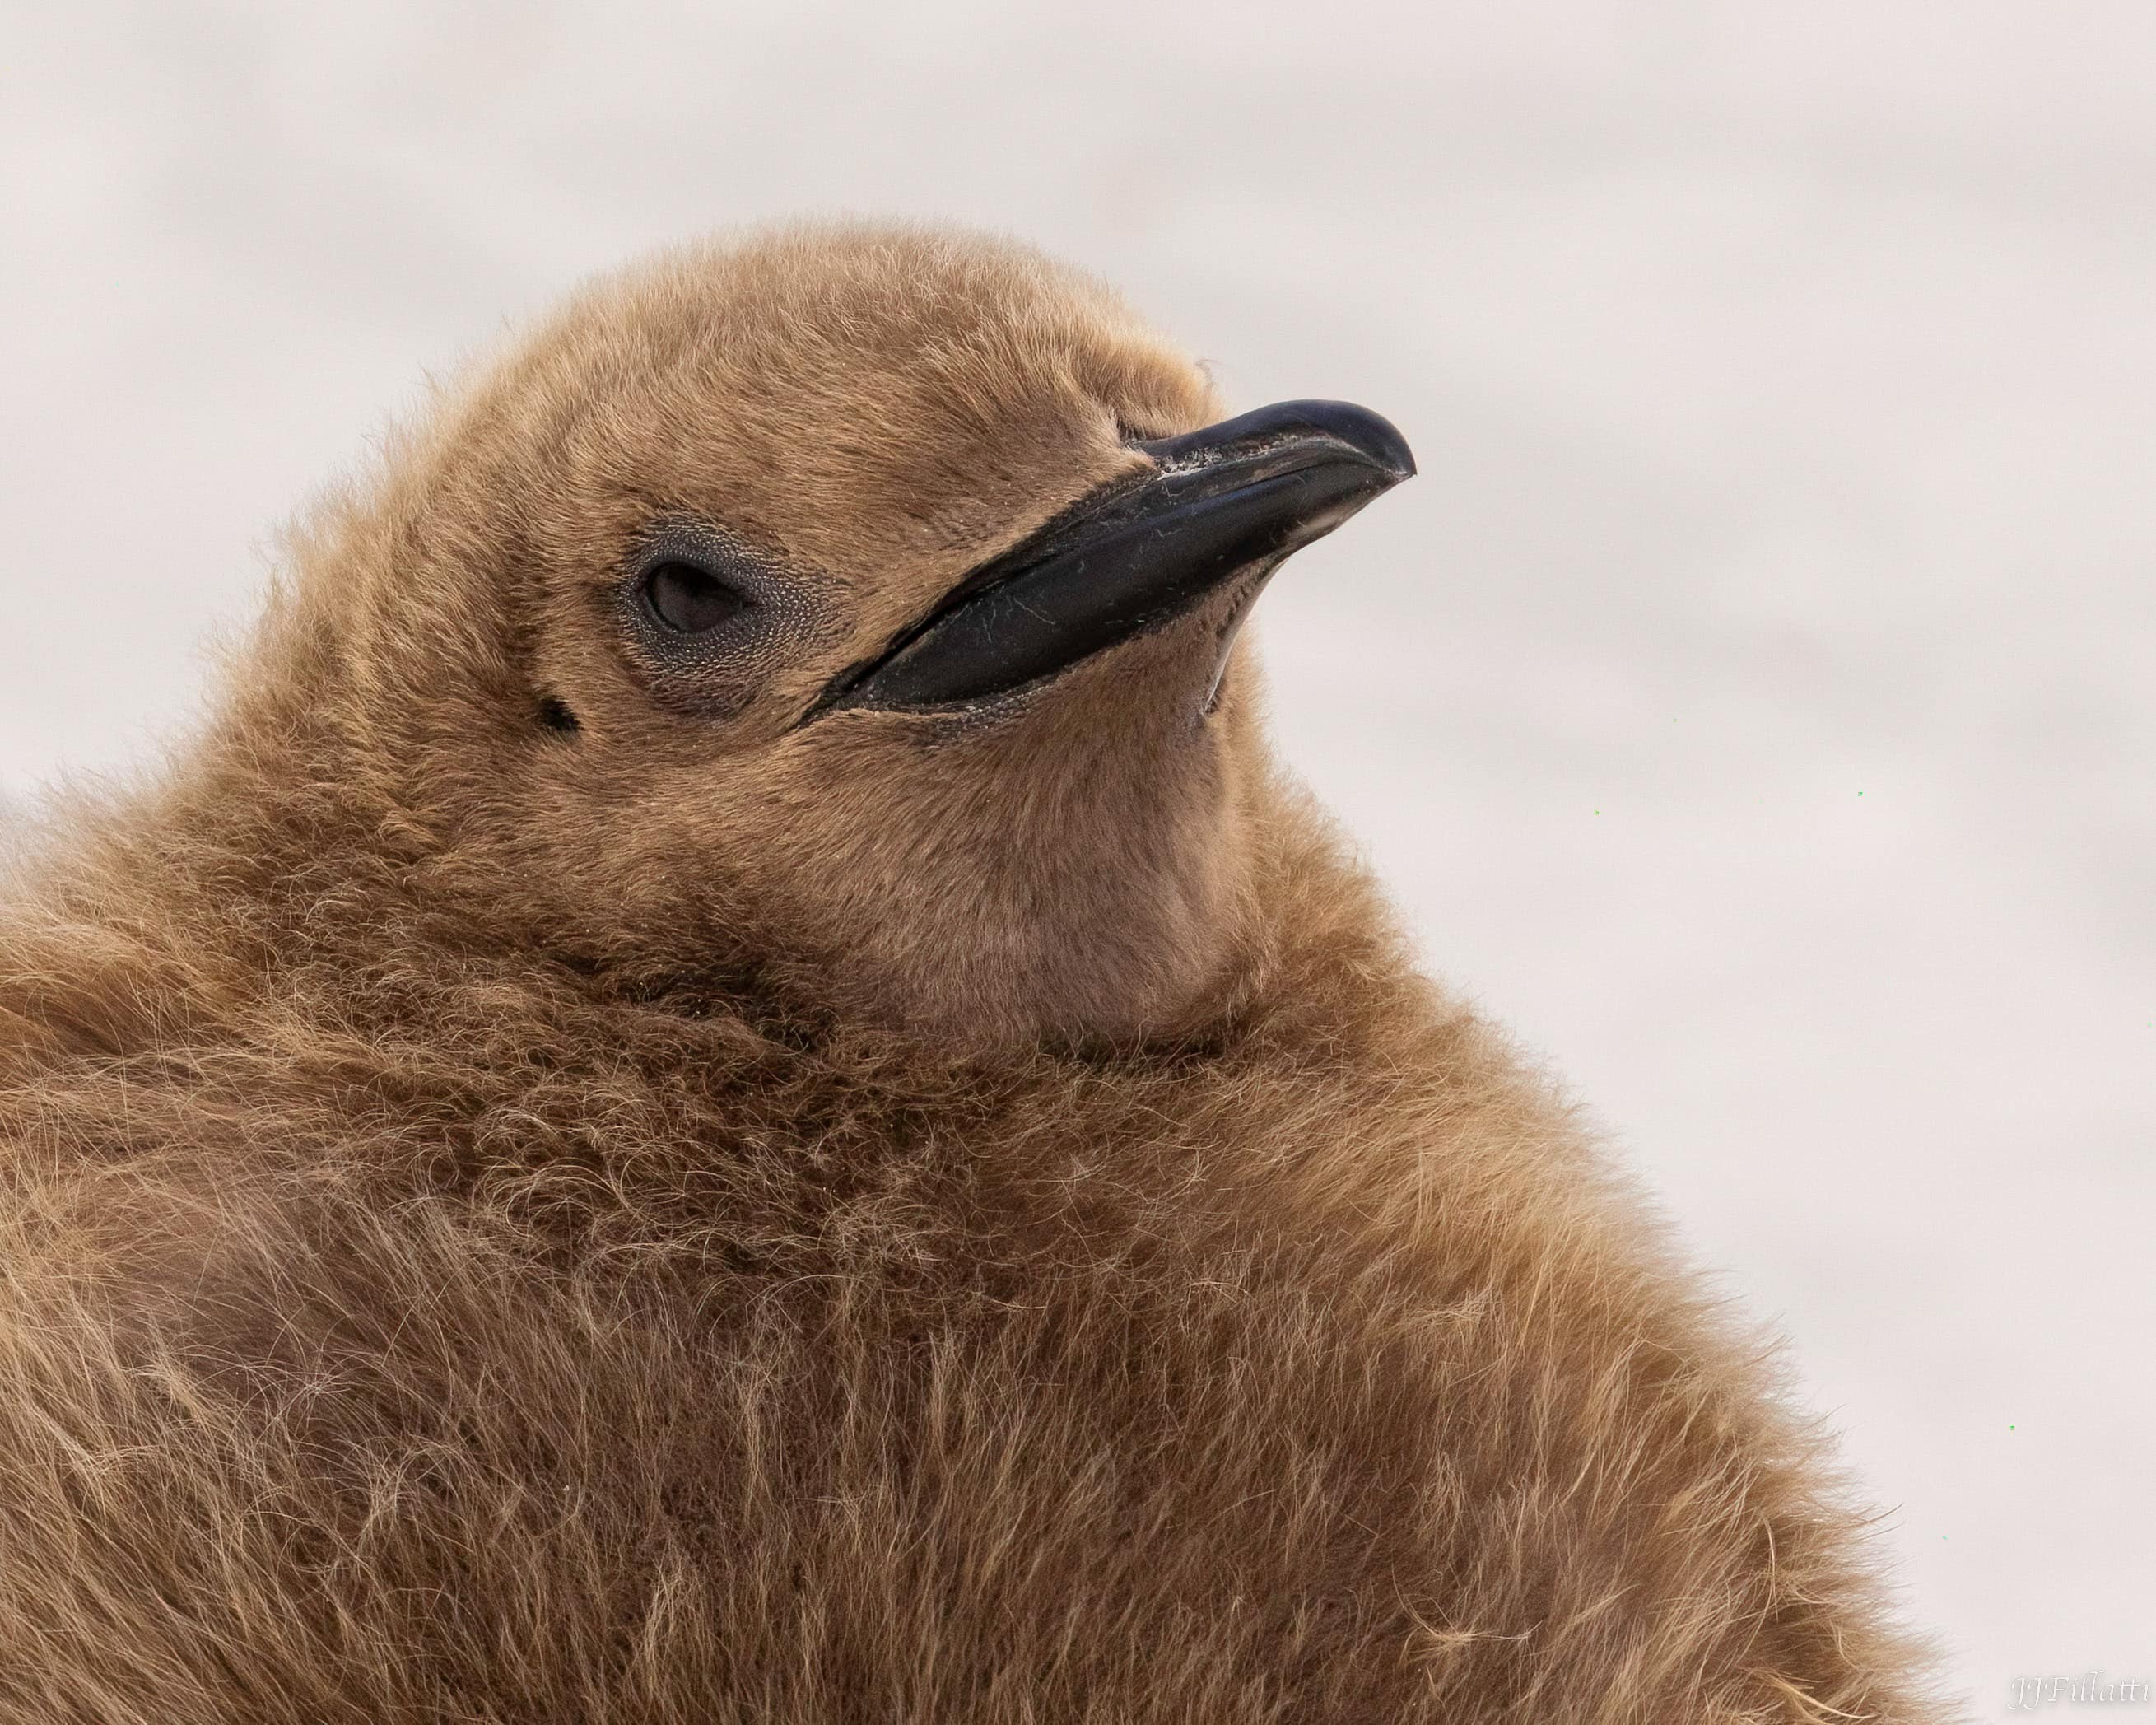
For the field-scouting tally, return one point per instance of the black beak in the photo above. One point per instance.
(1230, 502)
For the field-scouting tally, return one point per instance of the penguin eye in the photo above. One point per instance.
(707, 619)
(689, 598)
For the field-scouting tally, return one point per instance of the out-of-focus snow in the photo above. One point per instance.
(1750, 703)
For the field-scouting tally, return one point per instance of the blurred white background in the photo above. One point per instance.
(1750, 703)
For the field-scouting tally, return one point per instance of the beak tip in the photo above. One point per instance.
(1371, 436)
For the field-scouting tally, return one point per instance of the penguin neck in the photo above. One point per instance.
(286, 842)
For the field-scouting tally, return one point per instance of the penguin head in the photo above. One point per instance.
(850, 614)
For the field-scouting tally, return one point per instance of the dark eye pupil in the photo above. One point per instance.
(692, 600)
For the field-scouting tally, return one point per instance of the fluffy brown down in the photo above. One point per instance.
(698, 1218)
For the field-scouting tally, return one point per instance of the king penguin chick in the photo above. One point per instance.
(728, 1087)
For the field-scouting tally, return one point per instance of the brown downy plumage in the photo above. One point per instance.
(590, 1152)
